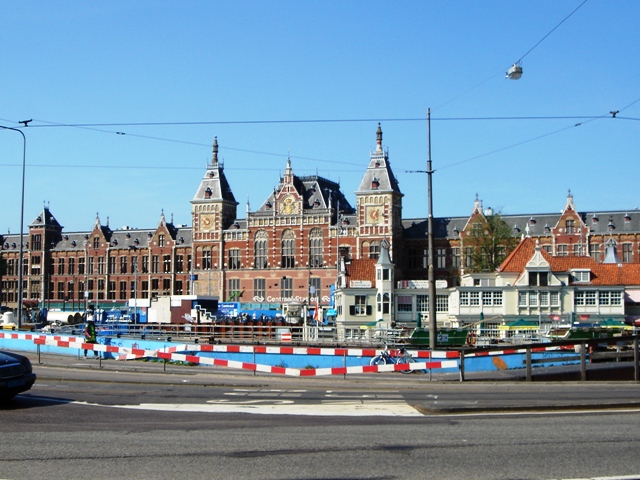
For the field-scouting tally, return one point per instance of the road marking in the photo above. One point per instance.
(346, 409)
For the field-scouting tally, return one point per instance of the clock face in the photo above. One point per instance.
(206, 222)
(374, 214)
(289, 206)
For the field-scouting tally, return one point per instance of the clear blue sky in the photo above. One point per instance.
(283, 63)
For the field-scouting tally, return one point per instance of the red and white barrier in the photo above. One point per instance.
(512, 351)
(172, 354)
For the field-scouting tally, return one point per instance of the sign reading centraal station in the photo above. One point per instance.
(296, 299)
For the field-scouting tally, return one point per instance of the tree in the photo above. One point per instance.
(492, 242)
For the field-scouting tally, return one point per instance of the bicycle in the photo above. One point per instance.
(385, 358)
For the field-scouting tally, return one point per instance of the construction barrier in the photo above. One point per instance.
(173, 353)
(338, 359)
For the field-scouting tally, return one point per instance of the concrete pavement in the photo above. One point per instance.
(501, 391)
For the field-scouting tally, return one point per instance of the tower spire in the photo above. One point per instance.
(379, 139)
(214, 160)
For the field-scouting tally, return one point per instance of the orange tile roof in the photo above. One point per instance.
(601, 273)
(362, 269)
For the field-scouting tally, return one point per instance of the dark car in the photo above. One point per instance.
(16, 375)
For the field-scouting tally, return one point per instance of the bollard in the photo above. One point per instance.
(636, 370)
(461, 365)
(39, 362)
(583, 361)
(344, 375)
(528, 364)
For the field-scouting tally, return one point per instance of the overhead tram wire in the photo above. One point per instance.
(501, 72)
(584, 119)
(552, 30)
(589, 119)
(184, 142)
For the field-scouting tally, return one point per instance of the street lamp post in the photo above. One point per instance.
(21, 256)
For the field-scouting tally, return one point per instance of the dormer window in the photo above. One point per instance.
(532, 221)
(611, 226)
(581, 276)
(236, 225)
(136, 241)
(538, 279)
(66, 237)
(207, 193)
(595, 219)
(456, 232)
(547, 228)
(627, 218)
(375, 183)
(73, 243)
(570, 226)
(268, 205)
(316, 203)
(212, 174)
(114, 242)
(13, 245)
(6, 245)
(516, 229)
(377, 163)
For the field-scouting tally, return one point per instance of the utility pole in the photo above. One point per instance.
(433, 325)
(433, 329)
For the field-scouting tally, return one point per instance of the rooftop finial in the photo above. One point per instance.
(215, 151)
(379, 138)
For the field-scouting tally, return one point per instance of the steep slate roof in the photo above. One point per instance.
(214, 181)
(379, 172)
(601, 273)
(316, 193)
(533, 224)
(45, 218)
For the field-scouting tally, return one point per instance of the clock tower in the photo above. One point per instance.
(213, 209)
(379, 204)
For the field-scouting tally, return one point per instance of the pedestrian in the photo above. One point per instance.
(90, 335)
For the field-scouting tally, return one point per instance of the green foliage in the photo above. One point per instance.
(492, 242)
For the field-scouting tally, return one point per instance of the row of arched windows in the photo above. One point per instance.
(288, 249)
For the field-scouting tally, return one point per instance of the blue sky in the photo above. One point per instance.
(257, 73)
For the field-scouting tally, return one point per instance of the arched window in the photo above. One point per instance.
(384, 303)
(206, 258)
(371, 250)
(316, 247)
(288, 249)
(261, 250)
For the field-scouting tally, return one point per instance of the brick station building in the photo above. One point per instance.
(288, 250)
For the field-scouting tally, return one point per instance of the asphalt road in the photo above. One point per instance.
(139, 421)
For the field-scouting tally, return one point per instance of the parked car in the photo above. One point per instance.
(16, 375)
